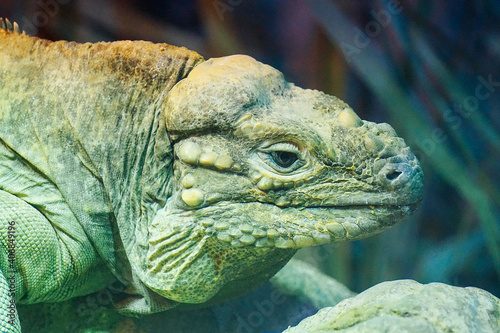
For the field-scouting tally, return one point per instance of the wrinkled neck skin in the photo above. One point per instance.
(135, 161)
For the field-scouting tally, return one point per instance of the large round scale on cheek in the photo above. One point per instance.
(189, 152)
(193, 197)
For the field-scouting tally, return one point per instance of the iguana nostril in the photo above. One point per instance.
(393, 175)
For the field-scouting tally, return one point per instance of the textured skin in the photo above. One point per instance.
(188, 191)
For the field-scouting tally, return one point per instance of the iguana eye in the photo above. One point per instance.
(283, 157)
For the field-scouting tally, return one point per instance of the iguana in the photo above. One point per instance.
(190, 181)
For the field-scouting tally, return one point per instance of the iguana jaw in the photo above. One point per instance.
(266, 225)
(194, 254)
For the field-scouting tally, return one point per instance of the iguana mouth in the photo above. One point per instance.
(266, 225)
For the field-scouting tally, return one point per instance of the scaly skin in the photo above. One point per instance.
(189, 181)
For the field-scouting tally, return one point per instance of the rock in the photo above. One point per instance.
(408, 306)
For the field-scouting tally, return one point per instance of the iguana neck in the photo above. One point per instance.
(103, 102)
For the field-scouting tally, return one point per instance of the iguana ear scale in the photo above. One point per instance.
(13, 27)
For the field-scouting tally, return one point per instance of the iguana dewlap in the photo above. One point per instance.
(191, 181)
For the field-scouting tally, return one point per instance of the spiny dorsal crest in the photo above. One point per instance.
(8, 26)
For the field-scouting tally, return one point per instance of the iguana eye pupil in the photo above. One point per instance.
(284, 159)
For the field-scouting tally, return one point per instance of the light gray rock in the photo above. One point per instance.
(408, 306)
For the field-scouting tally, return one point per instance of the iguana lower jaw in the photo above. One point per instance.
(194, 254)
(268, 226)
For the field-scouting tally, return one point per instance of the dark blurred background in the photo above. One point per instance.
(429, 68)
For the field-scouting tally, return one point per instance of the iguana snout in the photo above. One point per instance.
(262, 168)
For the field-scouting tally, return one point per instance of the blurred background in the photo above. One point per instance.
(429, 68)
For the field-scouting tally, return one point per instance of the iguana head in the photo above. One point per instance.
(261, 169)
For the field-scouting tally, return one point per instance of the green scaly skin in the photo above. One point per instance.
(190, 181)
